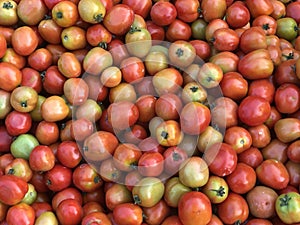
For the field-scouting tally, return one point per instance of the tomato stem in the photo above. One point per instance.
(136, 199)
(220, 191)
(179, 52)
(134, 29)
(194, 89)
(164, 134)
(97, 179)
(59, 15)
(24, 104)
(11, 171)
(289, 56)
(266, 26)
(98, 17)
(7, 5)
(176, 156)
(103, 45)
(238, 222)
(284, 201)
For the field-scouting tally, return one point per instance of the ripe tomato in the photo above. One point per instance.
(194, 208)
(119, 19)
(95, 217)
(216, 189)
(23, 99)
(221, 159)
(24, 40)
(168, 133)
(21, 213)
(54, 108)
(18, 123)
(157, 213)
(128, 213)
(151, 164)
(73, 38)
(278, 176)
(91, 11)
(11, 76)
(237, 15)
(254, 110)
(58, 178)
(67, 193)
(287, 98)
(252, 39)
(178, 30)
(65, 13)
(132, 69)
(239, 138)
(259, 7)
(173, 157)
(13, 189)
(233, 209)
(41, 158)
(69, 211)
(163, 13)
(141, 8)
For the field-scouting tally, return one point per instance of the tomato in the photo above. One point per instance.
(95, 217)
(50, 31)
(262, 88)
(67, 193)
(249, 67)
(194, 208)
(239, 138)
(116, 195)
(293, 151)
(275, 150)
(47, 132)
(228, 61)
(224, 112)
(11, 56)
(225, 39)
(11, 76)
(46, 217)
(24, 40)
(109, 172)
(85, 178)
(221, 159)
(187, 11)
(25, 214)
(157, 213)
(258, 7)
(148, 191)
(237, 15)
(97, 91)
(163, 13)
(54, 108)
(18, 123)
(98, 35)
(65, 13)
(69, 211)
(173, 219)
(287, 98)
(285, 74)
(293, 170)
(178, 30)
(13, 189)
(254, 110)
(214, 136)
(167, 80)
(68, 154)
(132, 69)
(168, 106)
(233, 209)
(261, 201)
(261, 135)
(181, 53)
(8, 13)
(278, 176)
(58, 178)
(73, 38)
(96, 60)
(216, 189)
(19, 167)
(157, 32)
(287, 207)
(252, 39)
(213, 10)
(141, 8)
(41, 158)
(128, 213)
(168, 133)
(91, 11)
(118, 50)
(286, 28)
(31, 12)
(119, 19)
(287, 129)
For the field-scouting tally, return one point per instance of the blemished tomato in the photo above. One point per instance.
(194, 208)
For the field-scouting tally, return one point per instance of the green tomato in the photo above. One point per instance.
(287, 207)
(174, 189)
(148, 191)
(198, 29)
(23, 145)
(287, 28)
(46, 218)
(31, 195)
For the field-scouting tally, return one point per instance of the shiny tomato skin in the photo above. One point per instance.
(273, 173)
(287, 98)
(18, 123)
(254, 110)
(21, 213)
(58, 178)
(119, 19)
(128, 213)
(264, 88)
(221, 159)
(237, 15)
(95, 217)
(24, 40)
(233, 209)
(69, 212)
(67, 193)
(11, 76)
(141, 8)
(163, 13)
(13, 189)
(194, 208)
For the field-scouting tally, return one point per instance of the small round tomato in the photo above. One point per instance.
(91, 11)
(41, 158)
(254, 110)
(178, 30)
(19, 167)
(216, 189)
(24, 40)
(287, 98)
(18, 123)
(54, 108)
(237, 15)
(132, 69)
(151, 164)
(119, 19)
(273, 173)
(8, 15)
(117, 194)
(24, 99)
(25, 212)
(163, 13)
(168, 133)
(68, 154)
(194, 208)
(69, 211)
(233, 209)
(262, 88)
(11, 76)
(67, 193)
(221, 159)
(181, 53)
(98, 35)
(128, 213)
(73, 38)
(239, 138)
(58, 178)
(242, 179)
(287, 207)
(65, 13)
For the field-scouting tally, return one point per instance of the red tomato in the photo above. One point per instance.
(194, 208)
(178, 30)
(151, 164)
(24, 40)
(69, 211)
(163, 13)
(259, 7)
(11, 76)
(128, 213)
(221, 159)
(237, 15)
(18, 123)
(21, 213)
(262, 88)
(287, 98)
(58, 178)
(187, 11)
(47, 133)
(68, 154)
(41, 158)
(67, 193)
(254, 110)
(141, 8)
(234, 86)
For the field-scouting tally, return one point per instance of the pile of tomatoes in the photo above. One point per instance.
(140, 112)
